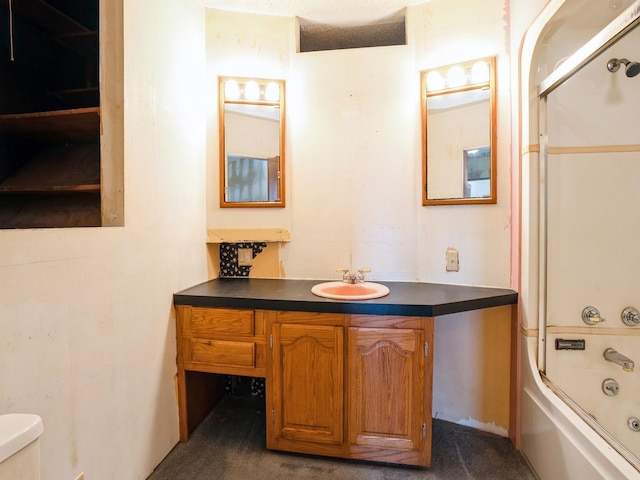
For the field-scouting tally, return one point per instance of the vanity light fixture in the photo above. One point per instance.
(251, 90)
(458, 76)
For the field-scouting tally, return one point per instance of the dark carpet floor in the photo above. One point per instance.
(230, 444)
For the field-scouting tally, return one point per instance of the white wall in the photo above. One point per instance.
(354, 144)
(353, 169)
(86, 327)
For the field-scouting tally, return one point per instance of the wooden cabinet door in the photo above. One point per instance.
(386, 388)
(307, 383)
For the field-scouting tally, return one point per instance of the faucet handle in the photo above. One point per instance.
(630, 316)
(344, 272)
(591, 316)
(361, 273)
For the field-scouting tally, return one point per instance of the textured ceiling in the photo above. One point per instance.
(358, 12)
(351, 12)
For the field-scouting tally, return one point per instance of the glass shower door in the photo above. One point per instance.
(592, 236)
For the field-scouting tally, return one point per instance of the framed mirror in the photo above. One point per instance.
(251, 142)
(459, 134)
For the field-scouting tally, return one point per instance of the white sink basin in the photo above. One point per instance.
(350, 291)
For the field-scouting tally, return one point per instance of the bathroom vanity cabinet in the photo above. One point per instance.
(225, 341)
(390, 365)
(343, 379)
(222, 340)
(350, 386)
(305, 392)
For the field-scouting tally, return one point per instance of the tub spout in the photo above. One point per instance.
(614, 356)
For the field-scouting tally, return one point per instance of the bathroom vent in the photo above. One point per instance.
(314, 37)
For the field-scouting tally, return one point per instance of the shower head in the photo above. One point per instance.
(631, 68)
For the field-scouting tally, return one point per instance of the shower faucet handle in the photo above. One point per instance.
(591, 316)
(630, 317)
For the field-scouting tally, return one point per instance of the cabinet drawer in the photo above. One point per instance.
(223, 352)
(216, 322)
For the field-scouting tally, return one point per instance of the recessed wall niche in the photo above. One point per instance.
(54, 172)
(314, 36)
(229, 265)
(223, 245)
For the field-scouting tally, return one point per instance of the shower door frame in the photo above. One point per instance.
(616, 29)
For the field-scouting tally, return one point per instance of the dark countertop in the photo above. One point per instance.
(405, 298)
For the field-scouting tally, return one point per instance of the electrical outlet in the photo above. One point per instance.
(245, 257)
(453, 260)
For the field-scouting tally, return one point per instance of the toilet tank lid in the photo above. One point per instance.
(17, 430)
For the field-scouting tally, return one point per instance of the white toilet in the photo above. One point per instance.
(20, 446)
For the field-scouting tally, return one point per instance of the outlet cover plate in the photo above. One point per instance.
(453, 260)
(245, 257)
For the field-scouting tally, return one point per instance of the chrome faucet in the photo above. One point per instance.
(353, 278)
(614, 356)
(630, 316)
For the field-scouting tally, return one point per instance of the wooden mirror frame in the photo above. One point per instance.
(279, 174)
(425, 95)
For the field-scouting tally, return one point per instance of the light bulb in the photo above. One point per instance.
(231, 90)
(434, 81)
(480, 72)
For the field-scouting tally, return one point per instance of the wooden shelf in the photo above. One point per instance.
(46, 16)
(85, 43)
(93, 188)
(247, 235)
(60, 126)
(47, 211)
(59, 169)
(79, 97)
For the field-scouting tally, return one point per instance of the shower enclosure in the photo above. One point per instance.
(586, 170)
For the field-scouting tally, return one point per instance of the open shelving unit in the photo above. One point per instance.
(50, 118)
